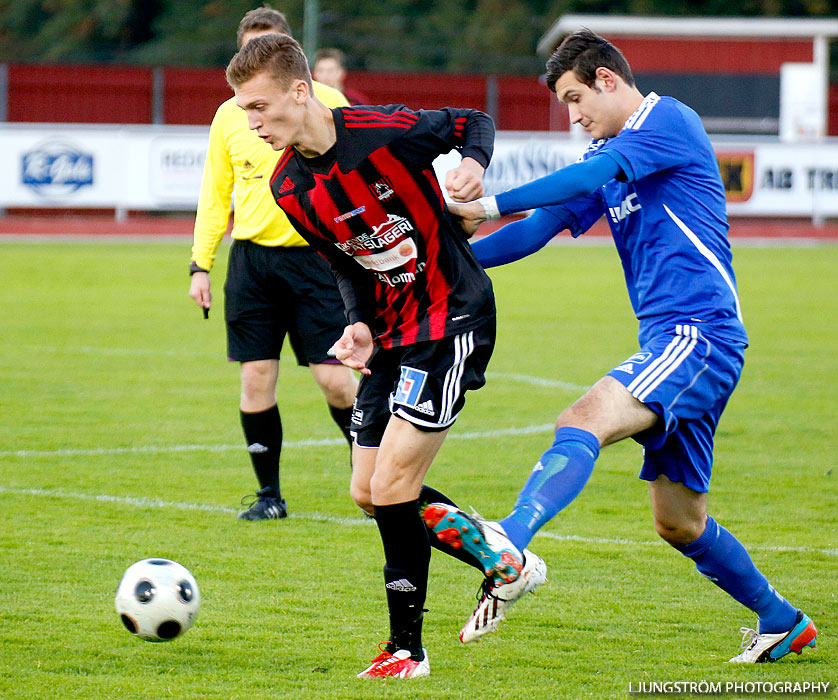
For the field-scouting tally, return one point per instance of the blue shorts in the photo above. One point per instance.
(686, 378)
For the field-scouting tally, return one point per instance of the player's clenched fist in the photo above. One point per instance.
(465, 182)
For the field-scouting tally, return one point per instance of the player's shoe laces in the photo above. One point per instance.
(483, 539)
(495, 597)
(396, 665)
(760, 648)
(263, 506)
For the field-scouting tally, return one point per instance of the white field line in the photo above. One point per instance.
(538, 381)
(326, 518)
(157, 503)
(146, 352)
(830, 551)
(162, 449)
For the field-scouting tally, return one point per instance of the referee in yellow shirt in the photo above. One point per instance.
(276, 285)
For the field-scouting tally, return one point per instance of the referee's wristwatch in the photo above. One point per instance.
(195, 267)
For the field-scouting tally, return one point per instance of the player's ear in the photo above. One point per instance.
(301, 91)
(606, 79)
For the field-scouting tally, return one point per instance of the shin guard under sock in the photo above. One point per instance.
(407, 554)
(263, 433)
(557, 478)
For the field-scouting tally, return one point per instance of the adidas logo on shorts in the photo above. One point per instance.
(427, 408)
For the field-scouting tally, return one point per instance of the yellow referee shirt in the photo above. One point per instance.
(239, 162)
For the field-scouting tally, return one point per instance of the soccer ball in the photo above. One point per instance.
(157, 599)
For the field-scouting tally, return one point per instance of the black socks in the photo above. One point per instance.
(407, 553)
(263, 432)
(343, 417)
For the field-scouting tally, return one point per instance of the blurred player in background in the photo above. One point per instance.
(359, 186)
(330, 69)
(276, 284)
(652, 171)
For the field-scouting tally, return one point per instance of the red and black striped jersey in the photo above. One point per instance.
(372, 206)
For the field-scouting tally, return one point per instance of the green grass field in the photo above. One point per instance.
(119, 440)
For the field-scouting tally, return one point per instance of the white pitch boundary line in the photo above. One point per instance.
(326, 518)
(157, 503)
(538, 381)
(830, 551)
(162, 449)
(145, 352)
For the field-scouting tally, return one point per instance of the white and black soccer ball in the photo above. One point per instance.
(157, 599)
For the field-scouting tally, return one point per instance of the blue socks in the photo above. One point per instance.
(556, 480)
(562, 473)
(719, 556)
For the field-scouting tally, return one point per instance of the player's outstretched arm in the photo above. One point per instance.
(564, 185)
(520, 238)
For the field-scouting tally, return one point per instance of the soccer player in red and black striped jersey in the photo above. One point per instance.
(358, 184)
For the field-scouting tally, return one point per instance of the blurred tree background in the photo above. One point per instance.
(485, 36)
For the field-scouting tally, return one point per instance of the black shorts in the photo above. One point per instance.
(274, 291)
(424, 383)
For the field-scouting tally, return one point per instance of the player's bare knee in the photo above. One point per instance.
(258, 385)
(257, 378)
(566, 420)
(255, 397)
(394, 485)
(677, 533)
(362, 498)
(582, 413)
(340, 392)
(338, 386)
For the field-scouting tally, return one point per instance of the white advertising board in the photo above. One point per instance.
(762, 178)
(159, 167)
(101, 166)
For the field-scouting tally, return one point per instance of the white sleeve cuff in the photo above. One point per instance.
(490, 206)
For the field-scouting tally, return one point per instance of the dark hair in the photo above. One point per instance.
(261, 19)
(279, 55)
(335, 54)
(583, 52)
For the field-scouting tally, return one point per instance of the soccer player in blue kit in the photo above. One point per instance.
(651, 170)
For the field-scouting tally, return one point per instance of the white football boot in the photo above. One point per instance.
(496, 597)
(760, 648)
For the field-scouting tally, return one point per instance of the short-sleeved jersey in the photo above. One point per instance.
(239, 161)
(372, 206)
(668, 219)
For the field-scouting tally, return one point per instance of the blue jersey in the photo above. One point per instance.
(668, 219)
